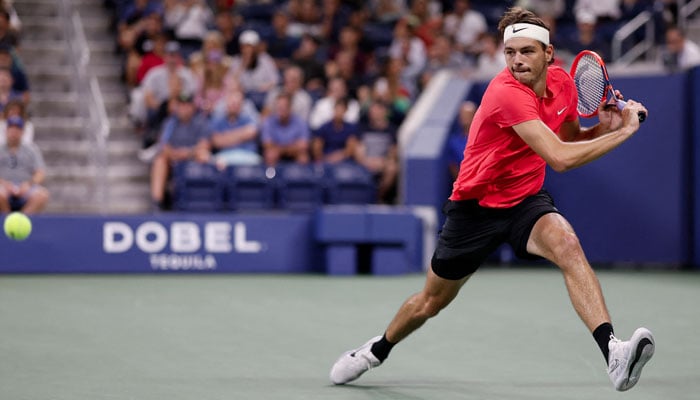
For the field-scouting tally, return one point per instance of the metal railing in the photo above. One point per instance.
(91, 105)
(685, 11)
(645, 48)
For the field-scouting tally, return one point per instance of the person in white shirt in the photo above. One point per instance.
(680, 52)
(323, 108)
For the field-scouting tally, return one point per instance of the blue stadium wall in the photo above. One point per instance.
(636, 205)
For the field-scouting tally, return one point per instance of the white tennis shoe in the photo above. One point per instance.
(626, 359)
(354, 363)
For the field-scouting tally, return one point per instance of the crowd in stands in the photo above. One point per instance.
(245, 82)
(22, 167)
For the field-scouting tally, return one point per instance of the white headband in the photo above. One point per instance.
(527, 31)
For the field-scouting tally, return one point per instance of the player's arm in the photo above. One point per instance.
(563, 156)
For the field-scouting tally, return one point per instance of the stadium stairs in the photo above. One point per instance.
(59, 127)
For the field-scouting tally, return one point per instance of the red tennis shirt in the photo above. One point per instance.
(499, 169)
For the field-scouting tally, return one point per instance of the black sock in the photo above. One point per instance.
(382, 348)
(601, 334)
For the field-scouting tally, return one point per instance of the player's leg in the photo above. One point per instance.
(553, 237)
(468, 236)
(414, 312)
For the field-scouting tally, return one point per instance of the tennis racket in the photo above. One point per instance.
(593, 85)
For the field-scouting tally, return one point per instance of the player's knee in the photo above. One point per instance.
(567, 246)
(432, 305)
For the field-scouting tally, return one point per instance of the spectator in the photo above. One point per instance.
(349, 43)
(285, 136)
(228, 26)
(210, 67)
(490, 61)
(154, 56)
(305, 17)
(387, 11)
(189, 22)
(458, 139)
(161, 85)
(324, 108)
(549, 10)
(22, 172)
(307, 56)
(428, 20)
(335, 15)
(680, 53)
(393, 89)
(20, 82)
(410, 49)
(17, 109)
(234, 136)
(586, 37)
(136, 34)
(185, 137)
(248, 108)
(336, 140)
(7, 94)
(254, 69)
(471, 26)
(213, 45)
(603, 11)
(15, 22)
(442, 56)
(377, 151)
(281, 45)
(8, 36)
(292, 84)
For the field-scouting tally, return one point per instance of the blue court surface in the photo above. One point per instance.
(511, 334)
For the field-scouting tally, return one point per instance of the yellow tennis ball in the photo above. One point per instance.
(17, 226)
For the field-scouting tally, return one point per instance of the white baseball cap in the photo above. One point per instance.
(249, 37)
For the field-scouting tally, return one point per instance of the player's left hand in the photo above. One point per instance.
(609, 116)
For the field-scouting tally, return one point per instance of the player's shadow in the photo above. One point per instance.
(430, 390)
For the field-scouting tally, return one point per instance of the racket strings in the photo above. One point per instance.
(590, 84)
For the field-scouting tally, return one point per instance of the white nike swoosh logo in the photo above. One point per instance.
(562, 110)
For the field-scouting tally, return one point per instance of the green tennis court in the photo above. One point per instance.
(511, 334)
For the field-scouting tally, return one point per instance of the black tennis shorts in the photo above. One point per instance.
(471, 233)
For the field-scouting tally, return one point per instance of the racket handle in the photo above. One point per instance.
(641, 115)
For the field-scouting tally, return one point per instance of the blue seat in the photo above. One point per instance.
(300, 186)
(350, 183)
(197, 187)
(249, 187)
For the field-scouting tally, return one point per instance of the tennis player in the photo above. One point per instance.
(527, 120)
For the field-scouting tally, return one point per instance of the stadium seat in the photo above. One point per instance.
(350, 183)
(248, 187)
(300, 186)
(197, 187)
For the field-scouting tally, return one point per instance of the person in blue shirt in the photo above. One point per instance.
(335, 141)
(234, 135)
(458, 139)
(185, 137)
(285, 135)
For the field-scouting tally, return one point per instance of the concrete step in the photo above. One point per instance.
(67, 102)
(28, 9)
(82, 198)
(71, 128)
(136, 172)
